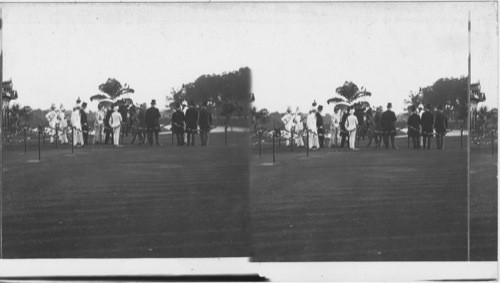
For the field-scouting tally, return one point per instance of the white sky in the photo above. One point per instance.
(298, 52)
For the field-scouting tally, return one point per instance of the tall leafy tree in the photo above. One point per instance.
(112, 90)
(451, 92)
(349, 93)
(229, 93)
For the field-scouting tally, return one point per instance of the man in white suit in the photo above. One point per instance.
(351, 126)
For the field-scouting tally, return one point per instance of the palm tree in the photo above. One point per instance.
(112, 90)
(350, 94)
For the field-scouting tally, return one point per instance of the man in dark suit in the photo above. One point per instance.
(414, 127)
(178, 124)
(153, 123)
(343, 131)
(85, 125)
(441, 125)
(388, 121)
(205, 123)
(427, 122)
(320, 127)
(191, 119)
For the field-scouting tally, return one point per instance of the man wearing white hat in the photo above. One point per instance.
(52, 119)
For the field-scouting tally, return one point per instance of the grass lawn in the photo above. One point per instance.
(135, 201)
(484, 204)
(368, 205)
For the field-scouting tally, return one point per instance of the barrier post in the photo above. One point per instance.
(492, 144)
(461, 138)
(171, 131)
(307, 142)
(100, 136)
(225, 134)
(274, 153)
(260, 144)
(39, 153)
(408, 140)
(72, 138)
(25, 140)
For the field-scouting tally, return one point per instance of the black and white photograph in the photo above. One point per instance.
(281, 141)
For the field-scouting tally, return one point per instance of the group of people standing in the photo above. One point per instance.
(378, 125)
(141, 122)
(303, 127)
(424, 124)
(185, 122)
(60, 128)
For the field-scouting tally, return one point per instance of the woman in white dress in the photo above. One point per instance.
(313, 130)
(298, 128)
(52, 119)
(287, 119)
(77, 126)
(63, 125)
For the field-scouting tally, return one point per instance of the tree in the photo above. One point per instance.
(450, 92)
(414, 99)
(20, 116)
(349, 93)
(228, 93)
(111, 90)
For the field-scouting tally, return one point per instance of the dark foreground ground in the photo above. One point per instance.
(484, 204)
(368, 205)
(135, 201)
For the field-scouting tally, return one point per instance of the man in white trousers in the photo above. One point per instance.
(313, 130)
(351, 125)
(115, 122)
